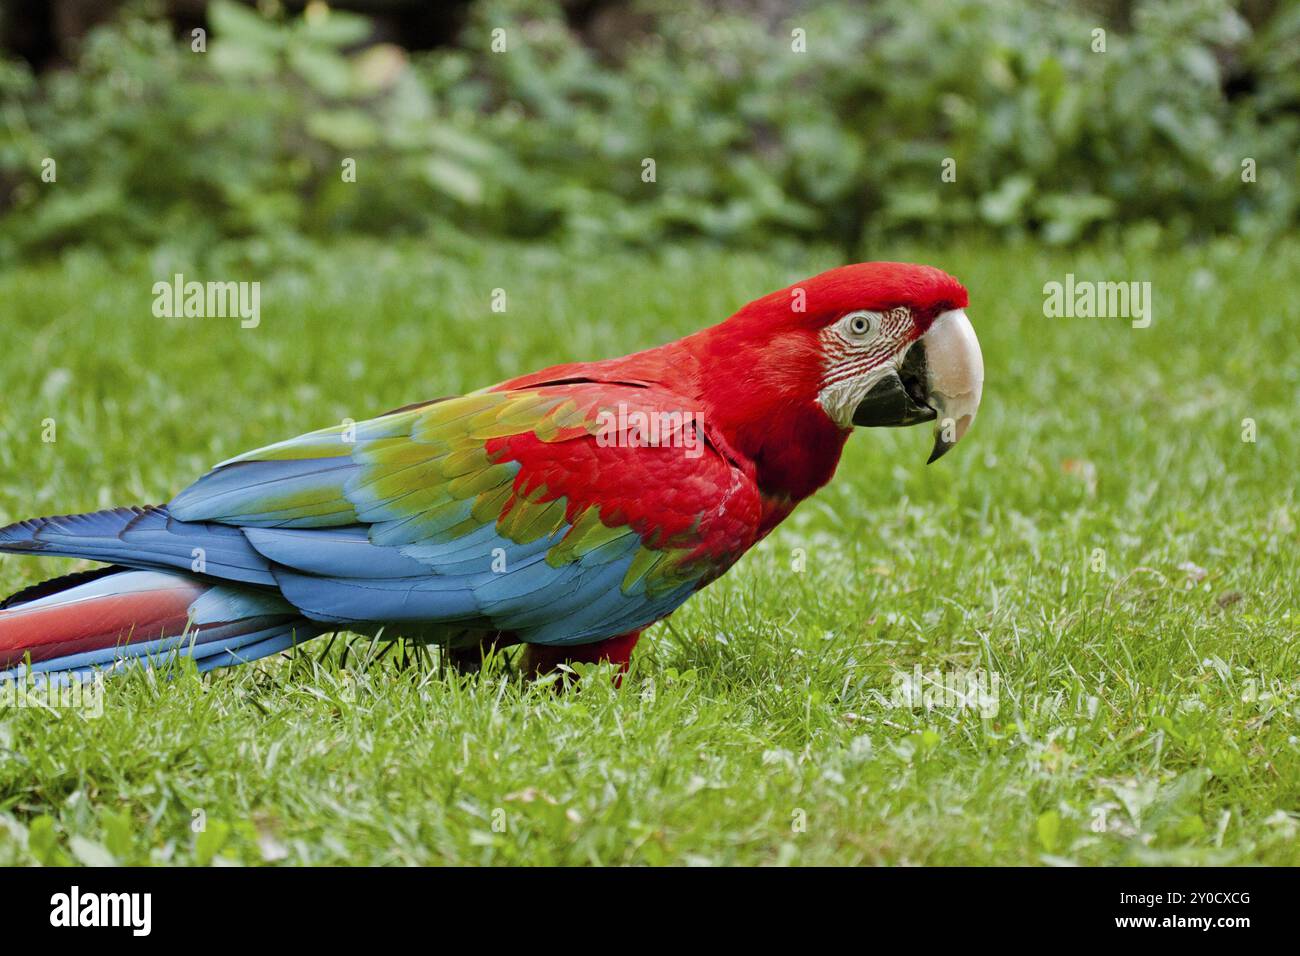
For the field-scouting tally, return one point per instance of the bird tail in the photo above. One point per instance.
(100, 620)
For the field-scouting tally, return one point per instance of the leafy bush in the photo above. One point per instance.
(751, 140)
(849, 138)
(155, 142)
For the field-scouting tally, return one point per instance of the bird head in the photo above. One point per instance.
(873, 344)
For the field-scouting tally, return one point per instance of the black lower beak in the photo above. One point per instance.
(899, 398)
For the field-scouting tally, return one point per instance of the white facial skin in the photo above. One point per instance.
(860, 348)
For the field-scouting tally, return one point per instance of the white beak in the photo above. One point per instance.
(939, 379)
(955, 377)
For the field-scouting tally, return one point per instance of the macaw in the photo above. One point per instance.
(567, 510)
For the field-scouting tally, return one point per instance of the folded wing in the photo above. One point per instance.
(564, 513)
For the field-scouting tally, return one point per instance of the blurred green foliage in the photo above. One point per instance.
(847, 140)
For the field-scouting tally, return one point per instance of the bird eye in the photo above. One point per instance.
(859, 325)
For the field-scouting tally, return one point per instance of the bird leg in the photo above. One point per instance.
(540, 659)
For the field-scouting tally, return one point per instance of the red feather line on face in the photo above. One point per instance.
(844, 360)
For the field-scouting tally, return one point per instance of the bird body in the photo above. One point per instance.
(567, 509)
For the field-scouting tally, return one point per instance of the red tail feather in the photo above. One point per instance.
(91, 616)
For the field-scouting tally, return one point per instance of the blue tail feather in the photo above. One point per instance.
(142, 538)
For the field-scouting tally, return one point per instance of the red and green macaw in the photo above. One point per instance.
(568, 509)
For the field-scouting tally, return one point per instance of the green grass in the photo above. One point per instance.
(1146, 712)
